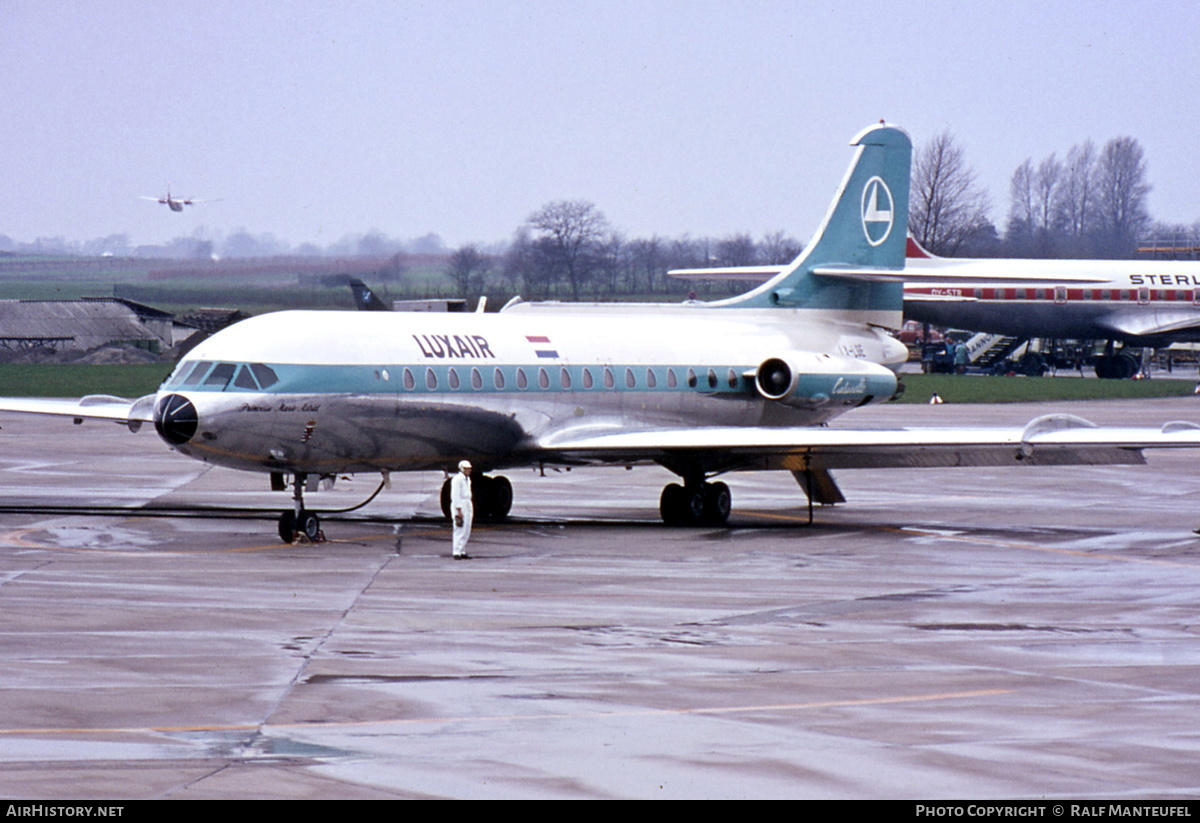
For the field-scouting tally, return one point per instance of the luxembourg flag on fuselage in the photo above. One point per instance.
(541, 341)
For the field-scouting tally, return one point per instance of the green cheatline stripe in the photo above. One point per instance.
(480, 378)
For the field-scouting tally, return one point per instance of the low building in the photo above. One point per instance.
(82, 325)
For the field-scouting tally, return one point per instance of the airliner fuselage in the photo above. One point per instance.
(1145, 303)
(334, 392)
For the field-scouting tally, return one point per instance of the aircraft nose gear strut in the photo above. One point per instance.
(297, 521)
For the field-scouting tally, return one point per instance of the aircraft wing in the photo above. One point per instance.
(1049, 440)
(133, 413)
(1151, 323)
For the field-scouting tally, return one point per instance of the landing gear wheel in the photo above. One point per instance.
(501, 497)
(287, 526)
(670, 504)
(481, 495)
(718, 502)
(297, 520)
(492, 496)
(1120, 366)
(695, 504)
(310, 524)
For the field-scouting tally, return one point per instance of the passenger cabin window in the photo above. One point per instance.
(452, 378)
(609, 380)
(476, 379)
(522, 380)
(565, 378)
(543, 379)
(651, 380)
(672, 380)
(587, 378)
(410, 382)
(498, 379)
(430, 379)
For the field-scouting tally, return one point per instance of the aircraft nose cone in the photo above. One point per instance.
(175, 419)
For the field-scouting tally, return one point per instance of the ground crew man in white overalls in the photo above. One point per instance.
(462, 512)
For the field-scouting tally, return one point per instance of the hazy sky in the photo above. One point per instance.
(314, 120)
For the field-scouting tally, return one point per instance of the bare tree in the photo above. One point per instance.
(1020, 232)
(947, 208)
(570, 235)
(1076, 200)
(527, 265)
(1033, 214)
(468, 267)
(778, 247)
(737, 250)
(1122, 195)
(646, 263)
(1045, 190)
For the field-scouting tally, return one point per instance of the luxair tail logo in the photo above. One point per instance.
(877, 211)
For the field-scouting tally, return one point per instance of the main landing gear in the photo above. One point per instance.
(1119, 364)
(298, 521)
(492, 497)
(695, 503)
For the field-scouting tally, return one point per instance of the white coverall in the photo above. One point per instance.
(460, 501)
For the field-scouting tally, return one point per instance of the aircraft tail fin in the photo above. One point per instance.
(865, 229)
(364, 298)
(916, 251)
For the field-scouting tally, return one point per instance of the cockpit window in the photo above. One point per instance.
(264, 374)
(220, 375)
(244, 379)
(197, 373)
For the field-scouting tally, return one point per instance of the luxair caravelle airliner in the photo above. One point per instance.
(699, 388)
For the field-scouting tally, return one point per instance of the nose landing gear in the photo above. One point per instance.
(298, 521)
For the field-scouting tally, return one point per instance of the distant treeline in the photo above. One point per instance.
(1090, 203)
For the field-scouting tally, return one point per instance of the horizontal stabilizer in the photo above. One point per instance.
(754, 273)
